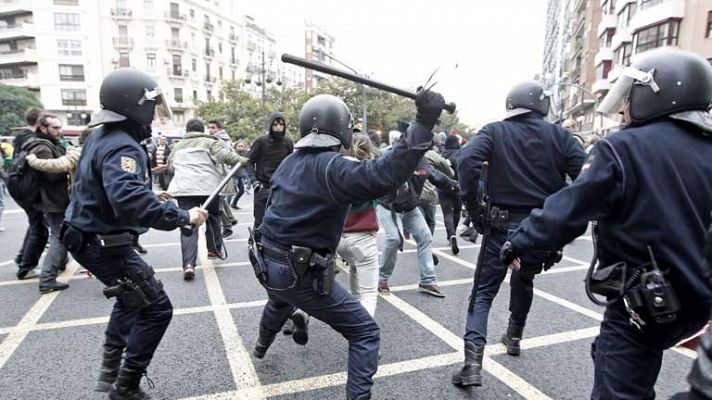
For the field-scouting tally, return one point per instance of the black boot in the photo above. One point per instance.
(362, 396)
(512, 338)
(127, 386)
(109, 370)
(471, 372)
(261, 346)
(301, 327)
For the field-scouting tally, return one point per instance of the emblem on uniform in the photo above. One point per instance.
(128, 164)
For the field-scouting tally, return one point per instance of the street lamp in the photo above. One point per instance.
(364, 122)
(264, 80)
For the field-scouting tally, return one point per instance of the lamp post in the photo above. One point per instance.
(364, 121)
(263, 73)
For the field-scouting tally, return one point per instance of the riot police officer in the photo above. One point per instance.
(311, 193)
(528, 160)
(649, 187)
(111, 204)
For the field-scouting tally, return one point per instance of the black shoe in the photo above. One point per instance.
(109, 370)
(471, 373)
(128, 386)
(467, 232)
(453, 245)
(512, 338)
(53, 287)
(288, 327)
(226, 233)
(261, 346)
(26, 273)
(301, 327)
(362, 396)
(140, 248)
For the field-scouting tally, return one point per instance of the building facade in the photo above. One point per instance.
(318, 46)
(62, 49)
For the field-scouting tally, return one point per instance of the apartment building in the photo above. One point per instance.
(62, 49)
(559, 24)
(318, 46)
(630, 28)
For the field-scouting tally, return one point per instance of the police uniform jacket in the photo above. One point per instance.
(111, 193)
(529, 159)
(648, 186)
(312, 190)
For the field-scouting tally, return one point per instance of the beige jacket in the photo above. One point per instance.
(66, 163)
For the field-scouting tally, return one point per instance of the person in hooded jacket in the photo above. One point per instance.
(266, 153)
(451, 203)
(194, 162)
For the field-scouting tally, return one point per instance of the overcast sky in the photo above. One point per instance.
(481, 47)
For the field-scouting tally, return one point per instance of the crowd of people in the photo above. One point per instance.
(527, 187)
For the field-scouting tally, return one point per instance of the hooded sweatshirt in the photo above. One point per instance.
(267, 152)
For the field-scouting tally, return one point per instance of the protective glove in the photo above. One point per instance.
(429, 105)
(507, 254)
(477, 215)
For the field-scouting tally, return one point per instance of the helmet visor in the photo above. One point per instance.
(163, 110)
(619, 93)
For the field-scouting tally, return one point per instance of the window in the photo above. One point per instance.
(150, 31)
(69, 47)
(148, 5)
(603, 69)
(232, 74)
(123, 32)
(209, 94)
(232, 55)
(177, 65)
(220, 72)
(66, 22)
(178, 95)
(179, 117)
(220, 47)
(175, 10)
(626, 14)
(608, 7)
(74, 97)
(151, 61)
(606, 38)
(195, 95)
(708, 30)
(124, 60)
(71, 72)
(622, 54)
(207, 71)
(657, 36)
(649, 3)
(194, 65)
(175, 34)
(192, 13)
(66, 2)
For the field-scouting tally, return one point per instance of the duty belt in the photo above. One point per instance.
(276, 255)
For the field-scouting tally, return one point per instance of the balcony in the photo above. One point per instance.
(71, 78)
(208, 27)
(657, 12)
(209, 52)
(178, 73)
(121, 13)
(123, 42)
(14, 7)
(621, 36)
(600, 86)
(251, 46)
(604, 53)
(210, 79)
(15, 32)
(182, 104)
(21, 78)
(233, 37)
(174, 44)
(175, 17)
(18, 56)
(620, 4)
(608, 21)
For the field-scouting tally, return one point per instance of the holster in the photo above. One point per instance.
(72, 239)
(136, 288)
(498, 219)
(323, 268)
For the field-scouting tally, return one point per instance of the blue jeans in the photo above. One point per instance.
(491, 277)
(414, 223)
(341, 311)
(56, 255)
(627, 360)
(137, 331)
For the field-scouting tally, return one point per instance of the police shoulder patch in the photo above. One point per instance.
(128, 164)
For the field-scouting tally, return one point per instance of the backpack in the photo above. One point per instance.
(23, 182)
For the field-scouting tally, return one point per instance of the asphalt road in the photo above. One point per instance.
(50, 344)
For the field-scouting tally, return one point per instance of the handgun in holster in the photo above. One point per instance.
(253, 252)
(323, 268)
(136, 288)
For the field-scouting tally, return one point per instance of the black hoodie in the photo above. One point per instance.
(267, 152)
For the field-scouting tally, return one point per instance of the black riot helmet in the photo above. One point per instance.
(325, 121)
(129, 94)
(665, 81)
(526, 97)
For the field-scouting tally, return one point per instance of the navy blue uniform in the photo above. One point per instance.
(311, 193)
(647, 186)
(529, 159)
(111, 195)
